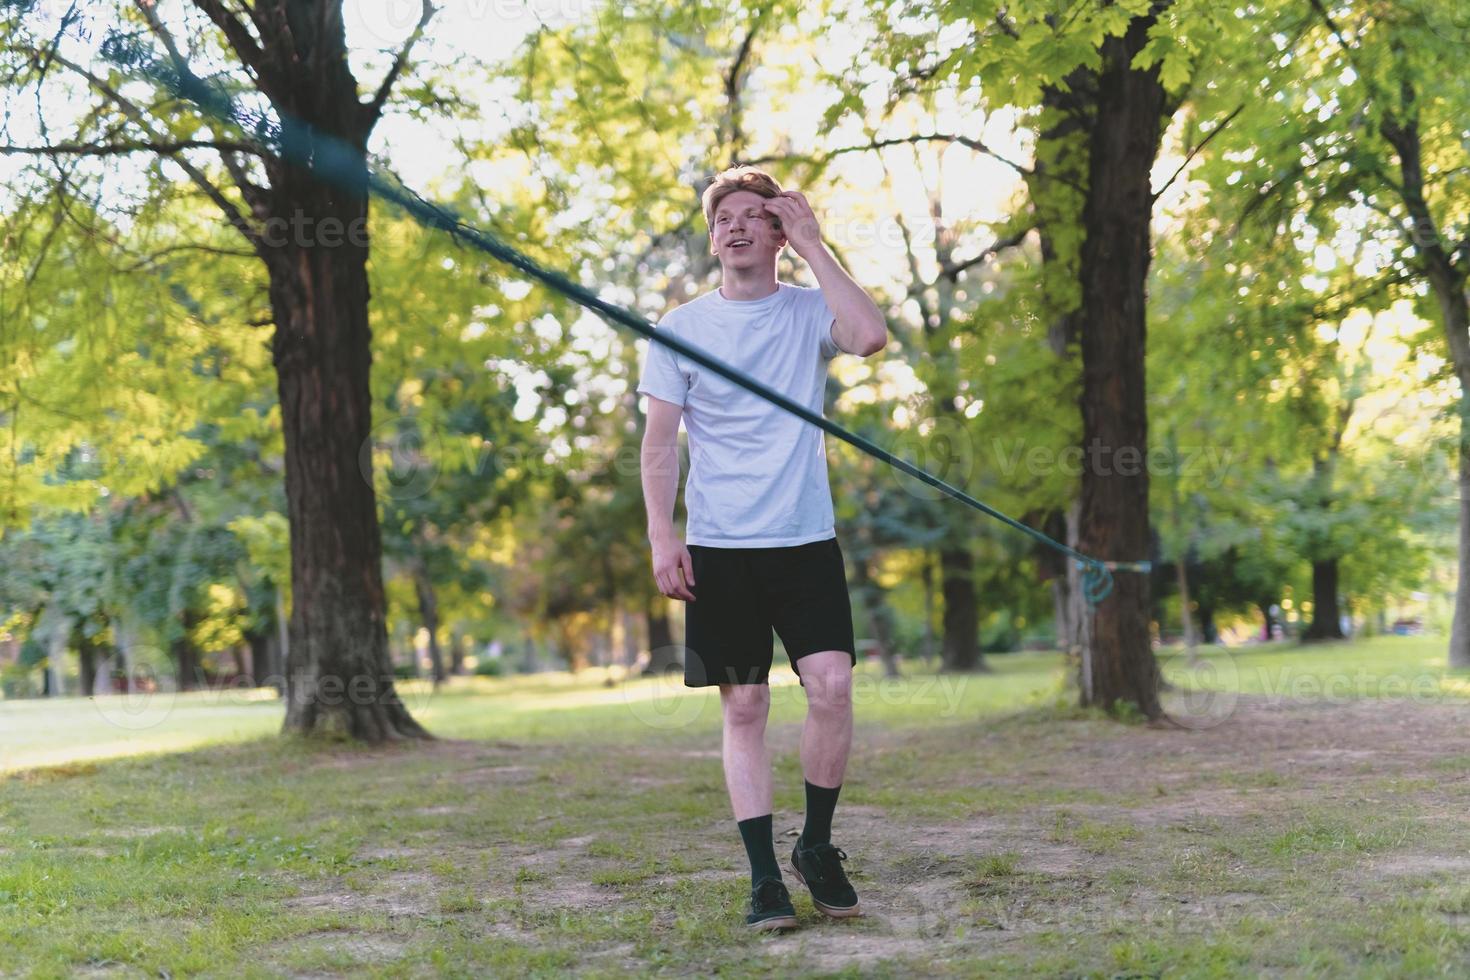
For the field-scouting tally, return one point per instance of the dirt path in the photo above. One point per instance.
(1286, 839)
(1191, 826)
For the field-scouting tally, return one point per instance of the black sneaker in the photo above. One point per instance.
(770, 906)
(820, 869)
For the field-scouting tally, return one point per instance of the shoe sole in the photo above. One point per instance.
(781, 922)
(828, 910)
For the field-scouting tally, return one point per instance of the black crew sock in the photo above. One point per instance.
(759, 847)
(820, 802)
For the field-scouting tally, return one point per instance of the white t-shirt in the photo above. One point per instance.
(757, 473)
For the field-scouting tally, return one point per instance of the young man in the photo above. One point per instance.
(762, 550)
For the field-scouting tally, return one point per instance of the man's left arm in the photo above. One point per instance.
(860, 328)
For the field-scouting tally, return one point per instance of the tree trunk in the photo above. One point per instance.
(879, 614)
(1186, 616)
(928, 575)
(237, 653)
(1326, 617)
(1114, 523)
(429, 613)
(86, 659)
(1061, 167)
(280, 648)
(127, 653)
(56, 662)
(1460, 630)
(339, 679)
(1447, 280)
(663, 655)
(1208, 632)
(961, 627)
(260, 657)
(1062, 526)
(456, 653)
(186, 660)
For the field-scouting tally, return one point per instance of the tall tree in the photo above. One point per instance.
(311, 236)
(1367, 131)
(1105, 64)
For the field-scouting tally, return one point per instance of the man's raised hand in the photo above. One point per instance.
(798, 222)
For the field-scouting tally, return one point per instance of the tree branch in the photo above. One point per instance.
(1199, 147)
(735, 137)
(153, 258)
(952, 270)
(167, 147)
(879, 144)
(244, 46)
(254, 196)
(232, 214)
(374, 109)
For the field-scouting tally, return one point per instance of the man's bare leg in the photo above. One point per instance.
(747, 760)
(826, 737)
(826, 740)
(748, 778)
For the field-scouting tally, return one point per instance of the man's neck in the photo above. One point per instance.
(747, 284)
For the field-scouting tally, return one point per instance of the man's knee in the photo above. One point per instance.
(746, 705)
(827, 678)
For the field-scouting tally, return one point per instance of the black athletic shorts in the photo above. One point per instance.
(742, 593)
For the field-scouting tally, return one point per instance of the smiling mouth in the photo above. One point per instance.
(740, 243)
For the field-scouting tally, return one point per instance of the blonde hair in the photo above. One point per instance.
(727, 182)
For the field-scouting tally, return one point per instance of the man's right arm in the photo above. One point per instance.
(660, 470)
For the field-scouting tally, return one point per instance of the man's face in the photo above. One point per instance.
(744, 234)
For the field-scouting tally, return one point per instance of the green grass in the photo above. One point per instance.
(563, 825)
(1383, 666)
(61, 730)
